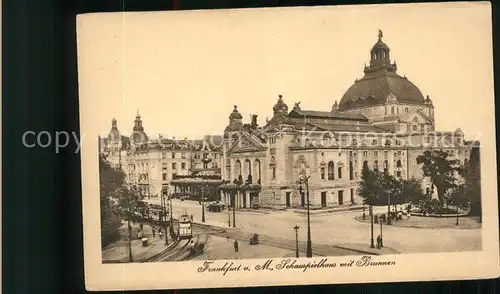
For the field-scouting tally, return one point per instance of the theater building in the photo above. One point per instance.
(382, 121)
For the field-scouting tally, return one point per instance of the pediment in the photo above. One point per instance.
(416, 114)
(246, 143)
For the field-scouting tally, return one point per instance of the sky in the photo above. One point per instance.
(184, 71)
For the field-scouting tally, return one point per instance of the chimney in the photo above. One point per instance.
(254, 121)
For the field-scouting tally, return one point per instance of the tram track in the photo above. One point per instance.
(161, 255)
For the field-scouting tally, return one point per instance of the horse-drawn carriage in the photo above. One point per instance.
(254, 240)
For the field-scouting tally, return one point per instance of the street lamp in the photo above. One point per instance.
(381, 238)
(296, 228)
(389, 207)
(372, 245)
(203, 202)
(305, 180)
(233, 200)
(163, 204)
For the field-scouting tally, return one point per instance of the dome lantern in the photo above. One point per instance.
(380, 53)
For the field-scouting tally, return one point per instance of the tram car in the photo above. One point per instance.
(154, 213)
(185, 227)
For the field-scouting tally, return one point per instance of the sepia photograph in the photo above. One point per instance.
(304, 140)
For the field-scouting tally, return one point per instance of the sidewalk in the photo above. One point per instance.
(118, 252)
(365, 248)
(216, 224)
(324, 211)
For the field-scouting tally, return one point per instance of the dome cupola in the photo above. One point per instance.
(380, 82)
(138, 135)
(114, 134)
(235, 122)
(235, 114)
(280, 106)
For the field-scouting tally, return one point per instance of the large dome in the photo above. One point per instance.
(380, 81)
(374, 88)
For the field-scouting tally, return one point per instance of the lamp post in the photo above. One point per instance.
(381, 238)
(203, 203)
(372, 245)
(296, 228)
(233, 200)
(163, 204)
(389, 207)
(305, 180)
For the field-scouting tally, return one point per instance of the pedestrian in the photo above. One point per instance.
(235, 245)
(154, 231)
(379, 241)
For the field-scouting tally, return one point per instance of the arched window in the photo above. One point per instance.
(237, 168)
(365, 164)
(374, 142)
(375, 165)
(351, 171)
(386, 166)
(388, 143)
(398, 163)
(331, 170)
(340, 172)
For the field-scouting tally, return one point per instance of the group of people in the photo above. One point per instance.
(161, 233)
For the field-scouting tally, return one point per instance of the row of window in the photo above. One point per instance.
(164, 166)
(173, 155)
(164, 176)
(374, 142)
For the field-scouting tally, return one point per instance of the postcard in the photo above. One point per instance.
(288, 146)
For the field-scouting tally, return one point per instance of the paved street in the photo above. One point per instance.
(339, 228)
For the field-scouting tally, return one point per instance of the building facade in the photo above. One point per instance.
(382, 121)
(151, 164)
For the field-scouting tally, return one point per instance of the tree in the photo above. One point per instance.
(370, 187)
(110, 181)
(412, 191)
(440, 169)
(458, 198)
(472, 187)
(391, 193)
(132, 206)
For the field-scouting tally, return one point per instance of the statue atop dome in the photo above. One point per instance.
(380, 34)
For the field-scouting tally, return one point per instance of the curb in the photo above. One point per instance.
(417, 227)
(328, 211)
(217, 227)
(363, 251)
